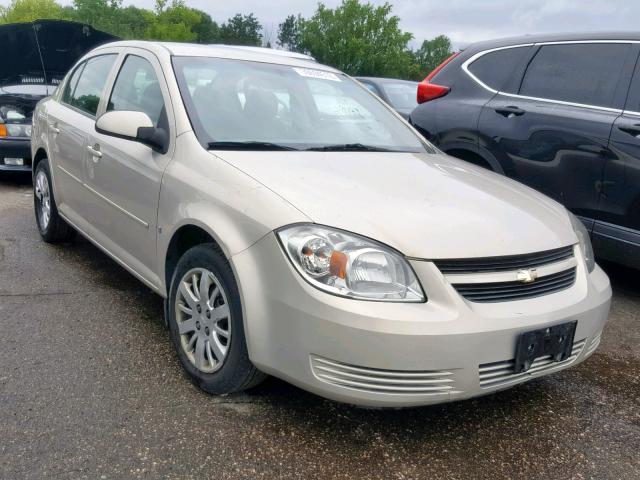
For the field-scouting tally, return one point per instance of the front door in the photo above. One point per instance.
(126, 175)
(616, 234)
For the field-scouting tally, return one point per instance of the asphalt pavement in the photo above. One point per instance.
(90, 388)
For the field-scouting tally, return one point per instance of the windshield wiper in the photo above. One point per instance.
(349, 147)
(247, 146)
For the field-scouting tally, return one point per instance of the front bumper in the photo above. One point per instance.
(15, 148)
(401, 354)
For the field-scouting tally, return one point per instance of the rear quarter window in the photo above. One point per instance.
(496, 69)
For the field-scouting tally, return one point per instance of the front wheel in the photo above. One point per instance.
(206, 324)
(51, 226)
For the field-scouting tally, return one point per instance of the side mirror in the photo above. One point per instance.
(135, 126)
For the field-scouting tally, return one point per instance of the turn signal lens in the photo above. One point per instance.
(3, 130)
(584, 241)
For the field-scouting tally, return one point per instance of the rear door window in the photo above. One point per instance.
(72, 83)
(578, 73)
(85, 93)
(496, 69)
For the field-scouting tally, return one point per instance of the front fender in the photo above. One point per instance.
(203, 190)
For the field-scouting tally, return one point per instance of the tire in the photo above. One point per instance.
(52, 228)
(199, 321)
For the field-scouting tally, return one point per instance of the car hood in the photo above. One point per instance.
(42, 52)
(424, 205)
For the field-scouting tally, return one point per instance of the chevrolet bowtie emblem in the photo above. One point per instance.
(527, 276)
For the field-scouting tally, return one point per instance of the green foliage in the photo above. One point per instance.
(432, 53)
(289, 33)
(29, 10)
(357, 37)
(176, 23)
(207, 30)
(241, 30)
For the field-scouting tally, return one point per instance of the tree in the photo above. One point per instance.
(131, 22)
(358, 38)
(241, 30)
(207, 30)
(177, 23)
(432, 53)
(289, 33)
(30, 10)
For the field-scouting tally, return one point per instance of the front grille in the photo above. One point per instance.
(505, 263)
(511, 291)
(426, 382)
(498, 374)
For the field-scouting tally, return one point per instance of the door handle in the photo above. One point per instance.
(510, 111)
(95, 152)
(631, 129)
(54, 128)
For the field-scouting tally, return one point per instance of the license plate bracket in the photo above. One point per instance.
(556, 341)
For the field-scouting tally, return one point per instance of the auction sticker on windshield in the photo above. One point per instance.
(311, 73)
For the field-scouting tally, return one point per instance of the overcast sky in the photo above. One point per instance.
(464, 21)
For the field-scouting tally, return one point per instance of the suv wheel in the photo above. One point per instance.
(206, 323)
(52, 227)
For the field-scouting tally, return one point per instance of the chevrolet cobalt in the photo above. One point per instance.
(298, 227)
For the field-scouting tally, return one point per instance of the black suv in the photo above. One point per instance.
(558, 113)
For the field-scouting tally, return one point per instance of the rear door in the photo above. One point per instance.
(70, 120)
(125, 175)
(617, 232)
(552, 130)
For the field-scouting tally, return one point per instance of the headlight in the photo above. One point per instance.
(585, 241)
(13, 122)
(15, 130)
(349, 265)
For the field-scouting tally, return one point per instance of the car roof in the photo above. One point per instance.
(553, 37)
(235, 52)
(385, 80)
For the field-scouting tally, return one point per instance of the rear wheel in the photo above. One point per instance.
(206, 324)
(52, 227)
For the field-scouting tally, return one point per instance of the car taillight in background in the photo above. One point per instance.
(430, 91)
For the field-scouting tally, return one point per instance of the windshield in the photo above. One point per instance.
(236, 104)
(402, 95)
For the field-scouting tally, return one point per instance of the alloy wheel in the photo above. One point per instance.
(43, 195)
(203, 319)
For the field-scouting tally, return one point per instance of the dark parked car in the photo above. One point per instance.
(558, 113)
(35, 58)
(400, 94)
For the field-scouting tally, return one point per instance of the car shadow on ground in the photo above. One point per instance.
(15, 178)
(624, 279)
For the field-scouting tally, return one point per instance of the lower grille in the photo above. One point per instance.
(427, 382)
(511, 291)
(499, 374)
(595, 341)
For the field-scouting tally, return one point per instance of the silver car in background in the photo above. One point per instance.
(401, 95)
(297, 227)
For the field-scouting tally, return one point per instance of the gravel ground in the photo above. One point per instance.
(90, 388)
